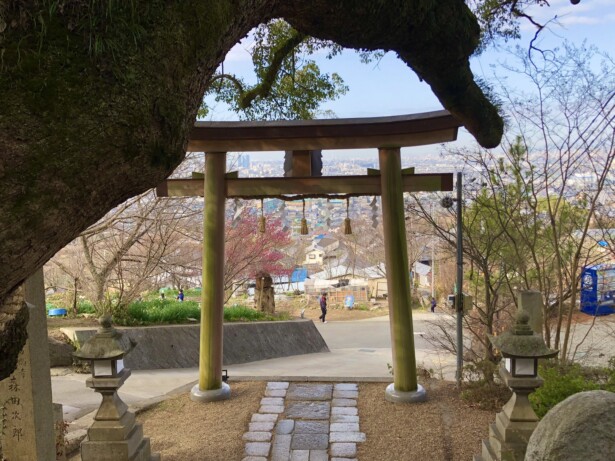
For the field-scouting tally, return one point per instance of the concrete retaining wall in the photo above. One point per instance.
(177, 346)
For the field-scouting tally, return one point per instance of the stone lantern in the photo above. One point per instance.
(114, 435)
(521, 349)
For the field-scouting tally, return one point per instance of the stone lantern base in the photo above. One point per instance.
(514, 425)
(115, 435)
(133, 447)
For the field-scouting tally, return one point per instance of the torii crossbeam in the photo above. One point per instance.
(302, 139)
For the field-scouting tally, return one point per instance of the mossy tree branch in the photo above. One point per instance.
(263, 89)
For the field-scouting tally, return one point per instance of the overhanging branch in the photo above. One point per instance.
(263, 89)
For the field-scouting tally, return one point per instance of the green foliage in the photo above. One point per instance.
(239, 313)
(193, 292)
(515, 234)
(501, 18)
(158, 312)
(562, 381)
(170, 311)
(85, 307)
(289, 85)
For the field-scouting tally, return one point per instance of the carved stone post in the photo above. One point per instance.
(26, 418)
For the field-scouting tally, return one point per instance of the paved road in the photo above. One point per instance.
(359, 349)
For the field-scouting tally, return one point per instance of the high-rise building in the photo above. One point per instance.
(243, 161)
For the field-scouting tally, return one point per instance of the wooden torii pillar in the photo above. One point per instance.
(388, 135)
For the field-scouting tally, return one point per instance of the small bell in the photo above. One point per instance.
(261, 220)
(347, 227)
(304, 226)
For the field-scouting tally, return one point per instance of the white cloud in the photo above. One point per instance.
(240, 52)
(586, 12)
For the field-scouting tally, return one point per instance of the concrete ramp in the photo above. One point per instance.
(177, 346)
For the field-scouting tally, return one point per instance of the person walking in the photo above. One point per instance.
(323, 307)
(433, 304)
(180, 296)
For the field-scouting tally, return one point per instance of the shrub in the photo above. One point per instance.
(562, 381)
(238, 313)
(480, 389)
(85, 307)
(485, 395)
(192, 292)
(159, 312)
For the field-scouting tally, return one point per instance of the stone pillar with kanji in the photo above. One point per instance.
(26, 411)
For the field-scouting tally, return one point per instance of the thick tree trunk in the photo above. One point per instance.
(435, 38)
(98, 98)
(13, 322)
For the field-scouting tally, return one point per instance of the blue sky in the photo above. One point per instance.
(389, 87)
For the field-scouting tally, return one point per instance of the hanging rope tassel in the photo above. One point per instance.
(304, 226)
(347, 227)
(261, 220)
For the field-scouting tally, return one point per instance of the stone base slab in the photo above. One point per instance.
(197, 395)
(391, 395)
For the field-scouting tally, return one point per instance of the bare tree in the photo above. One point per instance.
(65, 271)
(127, 248)
(528, 217)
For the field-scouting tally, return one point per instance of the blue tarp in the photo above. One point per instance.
(298, 275)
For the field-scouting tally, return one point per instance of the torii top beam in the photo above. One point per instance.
(342, 133)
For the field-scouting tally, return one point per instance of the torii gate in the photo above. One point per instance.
(302, 138)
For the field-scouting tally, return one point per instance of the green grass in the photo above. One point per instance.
(161, 312)
(85, 307)
(158, 312)
(240, 313)
(193, 292)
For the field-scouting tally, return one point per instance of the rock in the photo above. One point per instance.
(60, 352)
(581, 428)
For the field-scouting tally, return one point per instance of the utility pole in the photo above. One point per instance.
(459, 294)
(433, 261)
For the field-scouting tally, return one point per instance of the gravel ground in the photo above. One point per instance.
(182, 430)
(441, 429)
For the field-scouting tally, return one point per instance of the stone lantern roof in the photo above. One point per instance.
(521, 341)
(107, 343)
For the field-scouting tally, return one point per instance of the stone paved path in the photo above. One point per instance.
(305, 422)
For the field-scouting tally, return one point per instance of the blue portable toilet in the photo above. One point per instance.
(598, 289)
(349, 301)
